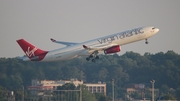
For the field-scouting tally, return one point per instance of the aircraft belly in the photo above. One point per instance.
(49, 57)
(85, 52)
(129, 40)
(68, 55)
(123, 41)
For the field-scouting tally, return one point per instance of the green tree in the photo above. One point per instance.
(169, 97)
(178, 93)
(164, 89)
(3, 94)
(101, 97)
(136, 95)
(86, 95)
(67, 86)
(102, 75)
(126, 69)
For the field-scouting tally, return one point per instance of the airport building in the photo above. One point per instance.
(97, 88)
(38, 87)
(141, 89)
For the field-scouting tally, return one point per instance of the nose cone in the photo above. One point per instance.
(157, 30)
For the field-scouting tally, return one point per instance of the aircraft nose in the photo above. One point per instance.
(157, 29)
(154, 29)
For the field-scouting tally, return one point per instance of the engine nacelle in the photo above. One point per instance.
(113, 49)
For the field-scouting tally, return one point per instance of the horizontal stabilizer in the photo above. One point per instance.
(24, 58)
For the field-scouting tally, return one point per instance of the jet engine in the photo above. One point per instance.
(113, 49)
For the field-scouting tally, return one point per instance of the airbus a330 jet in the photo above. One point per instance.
(90, 49)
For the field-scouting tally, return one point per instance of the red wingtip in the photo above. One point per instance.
(84, 46)
(53, 40)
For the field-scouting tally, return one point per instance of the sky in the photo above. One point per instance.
(80, 20)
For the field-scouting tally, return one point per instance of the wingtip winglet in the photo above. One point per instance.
(53, 40)
(84, 46)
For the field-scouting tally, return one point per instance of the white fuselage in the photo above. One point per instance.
(120, 39)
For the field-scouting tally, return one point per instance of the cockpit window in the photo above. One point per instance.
(153, 28)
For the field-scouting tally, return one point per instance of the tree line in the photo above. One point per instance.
(129, 68)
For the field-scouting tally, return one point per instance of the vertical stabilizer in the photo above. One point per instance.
(31, 51)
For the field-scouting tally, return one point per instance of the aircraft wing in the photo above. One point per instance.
(64, 43)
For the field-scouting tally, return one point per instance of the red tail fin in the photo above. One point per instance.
(30, 50)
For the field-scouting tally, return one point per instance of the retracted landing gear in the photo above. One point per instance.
(146, 42)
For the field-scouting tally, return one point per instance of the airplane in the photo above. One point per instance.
(107, 44)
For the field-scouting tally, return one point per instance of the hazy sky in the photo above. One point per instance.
(80, 20)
